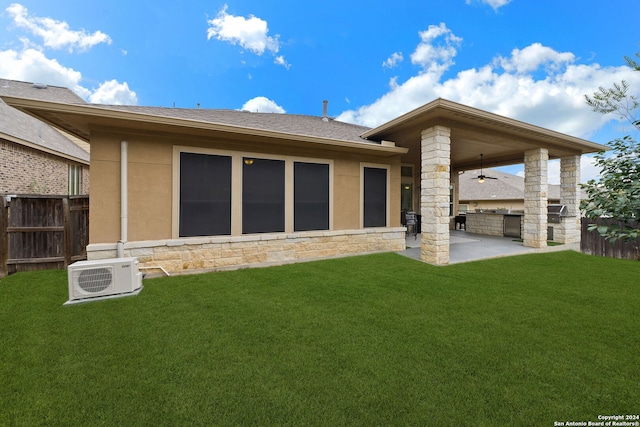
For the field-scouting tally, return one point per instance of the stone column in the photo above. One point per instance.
(568, 231)
(434, 194)
(535, 198)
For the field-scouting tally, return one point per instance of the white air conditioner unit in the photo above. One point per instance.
(104, 278)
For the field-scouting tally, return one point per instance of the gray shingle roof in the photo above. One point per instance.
(288, 123)
(20, 127)
(37, 91)
(506, 187)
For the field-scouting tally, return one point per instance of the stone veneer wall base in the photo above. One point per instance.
(204, 254)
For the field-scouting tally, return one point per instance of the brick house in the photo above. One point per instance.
(35, 158)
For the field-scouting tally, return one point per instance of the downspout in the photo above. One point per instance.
(124, 193)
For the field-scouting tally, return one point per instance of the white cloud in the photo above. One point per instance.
(535, 84)
(114, 93)
(434, 56)
(32, 65)
(393, 60)
(281, 61)
(250, 33)
(260, 104)
(534, 57)
(55, 34)
(495, 4)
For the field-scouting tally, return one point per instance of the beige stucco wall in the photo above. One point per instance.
(104, 210)
(150, 181)
(346, 198)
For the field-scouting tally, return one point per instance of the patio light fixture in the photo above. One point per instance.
(482, 177)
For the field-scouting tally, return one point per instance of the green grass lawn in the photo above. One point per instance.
(370, 340)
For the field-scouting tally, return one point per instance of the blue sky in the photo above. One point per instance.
(529, 60)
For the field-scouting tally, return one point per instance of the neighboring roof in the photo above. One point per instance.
(23, 129)
(39, 91)
(299, 130)
(505, 187)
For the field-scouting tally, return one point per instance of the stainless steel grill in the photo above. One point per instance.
(555, 213)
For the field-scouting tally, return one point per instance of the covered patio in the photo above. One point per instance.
(446, 138)
(467, 247)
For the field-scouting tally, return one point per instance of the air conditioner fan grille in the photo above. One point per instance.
(95, 280)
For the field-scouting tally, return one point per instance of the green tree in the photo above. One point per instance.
(617, 193)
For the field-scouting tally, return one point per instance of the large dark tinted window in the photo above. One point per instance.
(205, 195)
(375, 197)
(311, 196)
(262, 196)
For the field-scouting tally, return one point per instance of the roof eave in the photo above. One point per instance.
(401, 119)
(441, 107)
(39, 109)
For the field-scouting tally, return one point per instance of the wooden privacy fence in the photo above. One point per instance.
(593, 244)
(42, 232)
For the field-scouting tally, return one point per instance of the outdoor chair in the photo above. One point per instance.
(411, 222)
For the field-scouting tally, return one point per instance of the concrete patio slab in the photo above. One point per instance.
(465, 247)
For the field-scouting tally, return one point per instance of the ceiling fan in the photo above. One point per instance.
(482, 177)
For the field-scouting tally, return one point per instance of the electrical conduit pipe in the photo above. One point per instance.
(124, 193)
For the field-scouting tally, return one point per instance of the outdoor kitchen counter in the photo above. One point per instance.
(489, 223)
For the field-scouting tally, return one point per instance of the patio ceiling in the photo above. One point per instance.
(503, 141)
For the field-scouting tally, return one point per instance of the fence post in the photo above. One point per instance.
(4, 237)
(66, 219)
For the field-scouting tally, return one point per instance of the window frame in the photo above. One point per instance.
(227, 203)
(406, 167)
(387, 167)
(255, 193)
(408, 180)
(237, 158)
(74, 179)
(306, 202)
